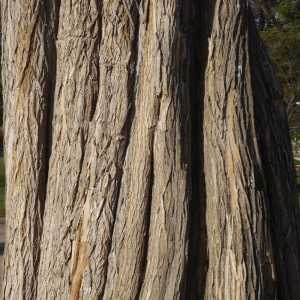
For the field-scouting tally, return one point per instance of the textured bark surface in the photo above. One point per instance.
(147, 154)
(25, 71)
(235, 197)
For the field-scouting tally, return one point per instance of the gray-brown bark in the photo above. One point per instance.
(25, 71)
(147, 154)
(235, 199)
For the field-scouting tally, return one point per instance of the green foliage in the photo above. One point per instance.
(283, 45)
(288, 12)
(295, 136)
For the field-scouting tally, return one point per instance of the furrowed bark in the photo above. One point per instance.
(167, 246)
(63, 248)
(126, 258)
(278, 164)
(271, 194)
(25, 86)
(234, 182)
(108, 141)
(200, 26)
(147, 154)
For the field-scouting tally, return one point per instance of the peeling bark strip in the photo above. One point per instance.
(126, 122)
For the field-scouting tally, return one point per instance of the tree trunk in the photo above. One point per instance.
(147, 154)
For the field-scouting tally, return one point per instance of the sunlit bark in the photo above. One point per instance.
(147, 154)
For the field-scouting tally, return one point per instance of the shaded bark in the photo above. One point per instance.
(147, 154)
(282, 204)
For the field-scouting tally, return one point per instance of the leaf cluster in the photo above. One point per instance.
(288, 12)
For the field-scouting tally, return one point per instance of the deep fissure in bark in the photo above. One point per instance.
(94, 104)
(147, 234)
(147, 154)
(52, 19)
(198, 256)
(132, 69)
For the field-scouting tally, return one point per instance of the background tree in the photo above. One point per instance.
(283, 44)
(147, 154)
(263, 13)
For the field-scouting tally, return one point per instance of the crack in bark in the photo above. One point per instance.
(198, 256)
(127, 127)
(147, 234)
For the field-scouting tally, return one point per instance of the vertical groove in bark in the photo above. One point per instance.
(201, 16)
(106, 138)
(76, 90)
(275, 148)
(147, 235)
(110, 132)
(121, 68)
(25, 86)
(126, 259)
(52, 18)
(167, 248)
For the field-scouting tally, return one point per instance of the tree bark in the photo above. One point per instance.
(147, 154)
(25, 70)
